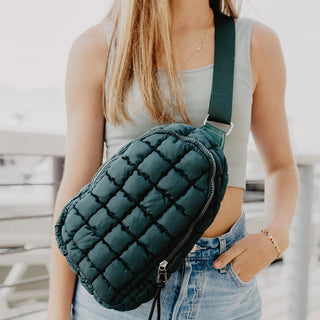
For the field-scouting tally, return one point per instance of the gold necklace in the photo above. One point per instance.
(197, 49)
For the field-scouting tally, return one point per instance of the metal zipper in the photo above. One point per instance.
(162, 271)
(163, 264)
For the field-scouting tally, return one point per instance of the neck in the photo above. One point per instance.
(191, 14)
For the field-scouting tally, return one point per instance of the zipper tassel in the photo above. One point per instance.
(161, 282)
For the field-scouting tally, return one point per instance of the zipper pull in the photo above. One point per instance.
(161, 282)
(162, 273)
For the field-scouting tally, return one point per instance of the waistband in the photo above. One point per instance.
(203, 247)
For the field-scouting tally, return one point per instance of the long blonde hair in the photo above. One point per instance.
(142, 30)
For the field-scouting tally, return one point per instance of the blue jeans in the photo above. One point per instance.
(195, 291)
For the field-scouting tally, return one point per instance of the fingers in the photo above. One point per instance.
(236, 249)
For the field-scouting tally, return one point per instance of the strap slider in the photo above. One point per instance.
(227, 128)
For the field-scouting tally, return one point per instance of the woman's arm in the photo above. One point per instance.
(269, 129)
(84, 149)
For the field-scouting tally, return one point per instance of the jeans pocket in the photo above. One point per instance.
(238, 281)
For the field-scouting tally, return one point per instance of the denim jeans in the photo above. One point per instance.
(195, 291)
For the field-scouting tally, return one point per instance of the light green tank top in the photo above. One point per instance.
(196, 89)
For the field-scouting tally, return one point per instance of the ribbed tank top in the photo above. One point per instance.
(196, 90)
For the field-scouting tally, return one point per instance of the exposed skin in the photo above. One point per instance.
(269, 129)
(84, 149)
(84, 141)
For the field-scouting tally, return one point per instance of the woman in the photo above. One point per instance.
(219, 274)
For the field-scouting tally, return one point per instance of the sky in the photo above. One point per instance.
(36, 36)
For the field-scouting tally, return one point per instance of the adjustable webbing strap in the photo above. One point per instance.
(220, 106)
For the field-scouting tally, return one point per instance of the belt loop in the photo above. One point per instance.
(197, 247)
(222, 242)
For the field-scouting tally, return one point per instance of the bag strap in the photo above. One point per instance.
(220, 107)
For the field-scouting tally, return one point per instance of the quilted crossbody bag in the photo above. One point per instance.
(134, 223)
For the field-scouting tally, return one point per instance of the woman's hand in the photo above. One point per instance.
(250, 255)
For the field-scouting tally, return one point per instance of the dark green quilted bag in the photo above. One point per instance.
(132, 226)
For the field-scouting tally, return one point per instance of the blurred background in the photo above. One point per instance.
(35, 39)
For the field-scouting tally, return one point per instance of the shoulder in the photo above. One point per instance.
(262, 35)
(265, 47)
(92, 40)
(88, 51)
(264, 38)
(259, 30)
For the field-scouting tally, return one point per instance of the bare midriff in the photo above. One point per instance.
(228, 214)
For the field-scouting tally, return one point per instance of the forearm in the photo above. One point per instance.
(281, 194)
(62, 279)
(61, 287)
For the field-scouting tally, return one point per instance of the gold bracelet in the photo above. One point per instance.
(275, 243)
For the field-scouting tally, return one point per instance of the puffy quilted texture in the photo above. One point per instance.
(136, 209)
